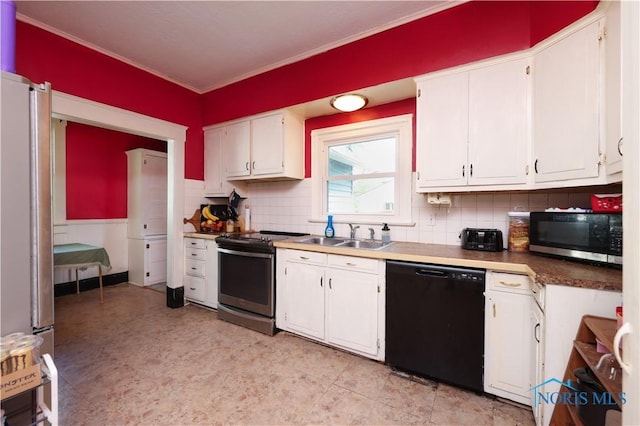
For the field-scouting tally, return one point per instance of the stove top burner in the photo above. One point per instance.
(256, 239)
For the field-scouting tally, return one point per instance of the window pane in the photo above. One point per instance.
(373, 156)
(374, 195)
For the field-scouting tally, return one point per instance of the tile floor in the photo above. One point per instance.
(133, 361)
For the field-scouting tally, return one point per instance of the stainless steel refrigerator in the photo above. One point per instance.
(26, 234)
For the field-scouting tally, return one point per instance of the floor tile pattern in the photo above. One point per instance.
(134, 361)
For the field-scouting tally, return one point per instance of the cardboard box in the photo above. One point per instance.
(20, 381)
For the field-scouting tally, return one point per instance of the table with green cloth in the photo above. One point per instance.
(81, 256)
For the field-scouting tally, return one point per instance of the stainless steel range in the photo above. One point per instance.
(247, 280)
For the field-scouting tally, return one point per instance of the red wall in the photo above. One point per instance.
(97, 177)
(77, 70)
(469, 32)
(472, 31)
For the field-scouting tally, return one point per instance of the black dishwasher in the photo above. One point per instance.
(435, 322)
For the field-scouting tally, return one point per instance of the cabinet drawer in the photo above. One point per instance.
(350, 262)
(194, 243)
(194, 288)
(508, 282)
(307, 257)
(194, 267)
(195, 253)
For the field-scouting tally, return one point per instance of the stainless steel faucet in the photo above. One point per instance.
(372, 234)
(353, 231)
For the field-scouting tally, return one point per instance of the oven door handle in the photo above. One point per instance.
(245, 253)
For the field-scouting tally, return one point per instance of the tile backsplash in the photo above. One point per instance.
(286, 206)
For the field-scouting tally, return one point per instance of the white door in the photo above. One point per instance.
(236, 149)
(508, 354)
(267, 139)
(156, 261)
(566, 107)
(352, 310)
(537, 359)
(442, 131)
(498, 123)
(154, 194)
(213, 169)
(630, 13)
(305, 295)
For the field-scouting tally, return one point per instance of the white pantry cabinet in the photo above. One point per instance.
(148, 260)
(566, 107)
(201, 271)
(508, 337)
(266, 146)
(335, 299)
(472, 127)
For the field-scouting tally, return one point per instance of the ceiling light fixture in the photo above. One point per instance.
(349, 103)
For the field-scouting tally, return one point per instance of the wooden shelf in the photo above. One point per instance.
(585, 354)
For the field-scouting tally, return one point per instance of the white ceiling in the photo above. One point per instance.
(204, 45)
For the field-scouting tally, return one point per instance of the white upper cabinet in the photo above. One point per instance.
(472, 127)
(236, 149)
(266, 146)
(566, 107)
(215, 182)
(146, 193)
(613, 83)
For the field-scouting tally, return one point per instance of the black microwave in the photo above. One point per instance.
(590, 237)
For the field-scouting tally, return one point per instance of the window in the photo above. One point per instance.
(362, 171)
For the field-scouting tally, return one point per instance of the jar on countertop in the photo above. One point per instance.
(518, 231)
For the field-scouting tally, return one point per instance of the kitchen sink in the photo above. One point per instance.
(337, 242)
(321, 241)
(362, 244)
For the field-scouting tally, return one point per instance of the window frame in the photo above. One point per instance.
(400, 126)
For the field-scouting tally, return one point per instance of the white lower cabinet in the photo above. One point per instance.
(335, 299)
(508, 337)
(148, 260)
(201, 271)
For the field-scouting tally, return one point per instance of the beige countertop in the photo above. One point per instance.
(544, 270)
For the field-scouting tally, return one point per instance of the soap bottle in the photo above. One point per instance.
(329, 232)
(386, 233)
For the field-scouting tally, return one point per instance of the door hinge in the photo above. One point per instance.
(528, 70)
(378, 288)
(147, 274)
(144, 161)
(602, 159)
(147, 245)
(282, 120)
(419, 92)
(378, 343)
(602, 32)
(285, 316)
(418, 176)
(285, 270)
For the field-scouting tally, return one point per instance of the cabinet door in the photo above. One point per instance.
(508, 349)
(613, 72)
(213, 167)
(155, 261)
(267, 140)
(236, 149)
(537, 360)
(211, 278)
(304, 295)
(352, 310)
(154, 194)
(442, 131)
(194, 288)
(498, 124)
(566, 107)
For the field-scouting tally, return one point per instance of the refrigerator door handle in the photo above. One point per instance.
(41, 212)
